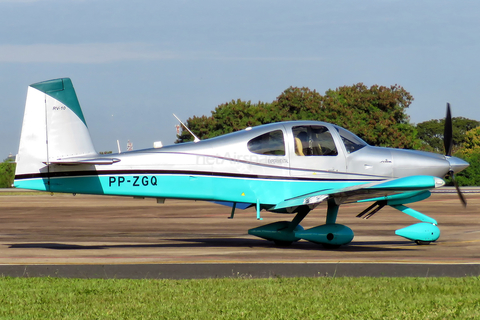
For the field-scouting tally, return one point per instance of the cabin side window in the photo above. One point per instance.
(271, 143)
(313, 141)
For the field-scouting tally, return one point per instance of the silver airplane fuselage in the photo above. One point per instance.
(285, 167)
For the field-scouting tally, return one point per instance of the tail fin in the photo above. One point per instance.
(53, 128)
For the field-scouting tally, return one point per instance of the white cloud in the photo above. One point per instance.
(19, 1)
(92, 53)
(82, 53)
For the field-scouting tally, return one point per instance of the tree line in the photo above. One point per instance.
(7, 173)
(377, 114)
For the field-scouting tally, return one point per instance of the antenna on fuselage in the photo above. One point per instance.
(194, 136)
(118, 146)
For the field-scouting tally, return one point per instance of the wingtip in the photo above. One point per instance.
(439, 182)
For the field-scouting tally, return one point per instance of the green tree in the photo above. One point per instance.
(471, 142)
(228, 117)
(431, 133)
(7, 173)
(470, 152)
(377, 114)
(471, 175)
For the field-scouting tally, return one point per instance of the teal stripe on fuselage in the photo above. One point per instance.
(32, 184)
(268, 191)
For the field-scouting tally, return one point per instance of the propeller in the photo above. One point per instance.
(448, 133)
(459, 192)
(448, 143)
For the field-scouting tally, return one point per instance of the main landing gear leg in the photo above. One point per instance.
(282, 233)
(292, 226)
(301, 214)
(331, 235)
(332, 211)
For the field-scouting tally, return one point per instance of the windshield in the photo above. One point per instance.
(351, 141)
(313, 141)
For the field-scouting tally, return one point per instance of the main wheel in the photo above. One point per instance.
(330, 246)
(280, 243)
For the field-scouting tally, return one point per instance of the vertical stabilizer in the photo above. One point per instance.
(53, 128)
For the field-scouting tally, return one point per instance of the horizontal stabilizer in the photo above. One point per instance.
(77, 161)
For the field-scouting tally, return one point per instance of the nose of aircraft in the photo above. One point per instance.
(457, 164)
(412, 162)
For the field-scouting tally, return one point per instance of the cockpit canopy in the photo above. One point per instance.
(308, 140)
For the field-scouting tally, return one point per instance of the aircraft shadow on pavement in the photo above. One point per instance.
(302, 245)
(372, 246)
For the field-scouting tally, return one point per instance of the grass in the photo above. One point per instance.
(274, 298)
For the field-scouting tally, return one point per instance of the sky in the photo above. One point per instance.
(134, 63)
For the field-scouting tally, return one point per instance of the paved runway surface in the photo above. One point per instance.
(94, 236)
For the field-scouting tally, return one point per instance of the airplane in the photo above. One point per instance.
(286, 167)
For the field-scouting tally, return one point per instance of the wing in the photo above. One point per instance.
(363, 192)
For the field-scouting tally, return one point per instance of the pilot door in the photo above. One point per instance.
(314, 152)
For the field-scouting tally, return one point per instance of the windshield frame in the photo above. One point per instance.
(350, 141)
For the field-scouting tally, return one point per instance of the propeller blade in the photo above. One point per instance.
(459, 192)
(448, 143)
(448, 133)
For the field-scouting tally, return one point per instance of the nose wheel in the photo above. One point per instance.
(422, 243)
